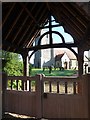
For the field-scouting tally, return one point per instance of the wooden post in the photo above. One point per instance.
(89, 61)
(89, 8)
(25, 63)
(88, 78)
(1, 60)
(25, 68)
(39, 96)
(80, 61)
(0, 95)
(4, 86)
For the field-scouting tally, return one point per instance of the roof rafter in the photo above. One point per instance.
(74, 20)
(47, 4)
(30, 41)
(21, 24)
(74, 24)
(30, 14)
(8, 14)
(26, 28)
(86, 35)
(73, 13)
(36, 34)
(72, 27)
(24, 33)
(74, 34)
(24, 21)
(14, 23)
(19, 29)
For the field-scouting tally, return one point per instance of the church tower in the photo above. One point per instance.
(37, 56)
(44, 55)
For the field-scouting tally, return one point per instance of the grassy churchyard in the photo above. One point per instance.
(54, 72)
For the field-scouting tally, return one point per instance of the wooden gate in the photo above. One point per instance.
(63, 98)
(50, 97)
(21, 95)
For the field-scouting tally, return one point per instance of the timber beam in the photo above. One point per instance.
(60, 45)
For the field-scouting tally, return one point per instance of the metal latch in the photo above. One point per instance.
(45, 95)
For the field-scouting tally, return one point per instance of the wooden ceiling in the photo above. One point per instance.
(21, 22)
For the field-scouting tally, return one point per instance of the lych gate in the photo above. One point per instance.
(20, 26)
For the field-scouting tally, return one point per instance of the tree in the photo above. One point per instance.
(11, 64)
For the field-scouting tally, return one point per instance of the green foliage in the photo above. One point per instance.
(11, 64)
(14, 85)
(30, 69)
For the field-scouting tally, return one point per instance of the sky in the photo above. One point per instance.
(56, 38)
(67, 37)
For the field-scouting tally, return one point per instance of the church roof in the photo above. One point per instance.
(21, 22)
(59, 53)
(59, 56)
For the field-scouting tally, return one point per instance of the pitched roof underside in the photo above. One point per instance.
(21, 22)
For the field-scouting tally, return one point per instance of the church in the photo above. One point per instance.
(56, 57)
